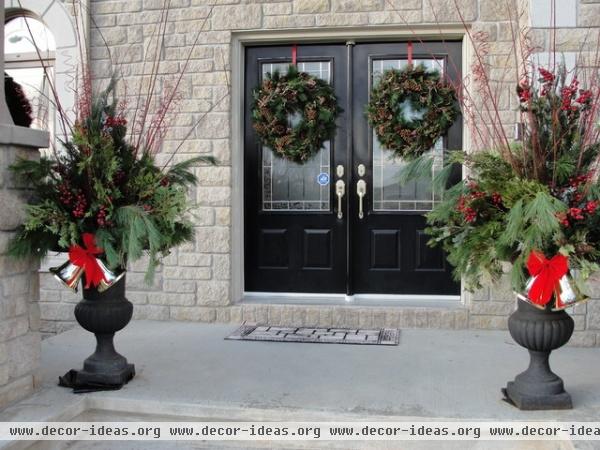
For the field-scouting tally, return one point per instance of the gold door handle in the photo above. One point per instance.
(340, 191)
(361, 190)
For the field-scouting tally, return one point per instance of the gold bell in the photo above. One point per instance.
(567, 295)
(525, 295)
(110, 278)
(68, 274)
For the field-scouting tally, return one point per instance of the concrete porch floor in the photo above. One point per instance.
(189, 370)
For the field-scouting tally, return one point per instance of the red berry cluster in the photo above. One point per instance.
(80, 205)
(575, 214)
(575, 182)
(580, 213)
(66, 196)
(577, 210)
(101, 217)
(571, 97)
(524, 91)
(469, 214)
(112, 121)
(465, 202)
(496, 199)
(547, 79)
(567, 93)
(165, 182)
(546, 76)
(585, 96)
(591, 206)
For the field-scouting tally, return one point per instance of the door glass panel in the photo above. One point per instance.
(388, 193)
(289, 186)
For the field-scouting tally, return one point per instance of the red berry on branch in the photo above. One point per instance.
(584, 96)
(575, 213)
(80, 205)
(591, 206)
(470, 215)
(547, 76)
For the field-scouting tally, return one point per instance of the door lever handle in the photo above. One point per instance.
(340, 191)
(361, 190)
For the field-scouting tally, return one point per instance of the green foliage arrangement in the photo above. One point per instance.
(279, 99)
(101, 184)
(538, 194)
(422, 90)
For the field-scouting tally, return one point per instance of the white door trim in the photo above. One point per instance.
(361, 34)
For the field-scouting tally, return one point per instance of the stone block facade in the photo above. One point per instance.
(19, 280)
(195, 282)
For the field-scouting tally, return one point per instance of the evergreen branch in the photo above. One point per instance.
(182, 174)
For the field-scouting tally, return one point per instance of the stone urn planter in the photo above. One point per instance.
(103, 313)
(540, 331)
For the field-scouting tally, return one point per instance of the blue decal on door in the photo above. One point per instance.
(323, 179)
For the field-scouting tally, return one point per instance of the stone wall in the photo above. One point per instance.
(195, 281)
(19, 281)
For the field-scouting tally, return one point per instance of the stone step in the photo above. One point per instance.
(352, 316)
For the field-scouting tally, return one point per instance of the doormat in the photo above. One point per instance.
(360, 336)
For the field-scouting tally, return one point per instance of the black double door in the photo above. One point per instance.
(342, 222)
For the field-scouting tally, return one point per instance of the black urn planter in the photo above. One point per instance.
(540, 331)
(104, 313)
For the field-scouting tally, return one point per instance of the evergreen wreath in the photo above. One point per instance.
(18, 104)
(294, 94)
(424, 90)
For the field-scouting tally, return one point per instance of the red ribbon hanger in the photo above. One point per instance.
(294, 54)
(547, 273)
(410, 53)
(85, 257)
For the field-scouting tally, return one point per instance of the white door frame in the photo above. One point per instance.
(239, 40)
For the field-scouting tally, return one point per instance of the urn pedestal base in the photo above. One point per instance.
(105, 367)
(527, 402)
(117, 378)
(538, 388)
(540, 331)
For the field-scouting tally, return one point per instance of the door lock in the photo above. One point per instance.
(340, 191)
(361, 190)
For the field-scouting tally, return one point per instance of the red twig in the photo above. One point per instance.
(171, 98)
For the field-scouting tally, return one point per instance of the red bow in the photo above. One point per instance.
(86, 258)
(547, 273)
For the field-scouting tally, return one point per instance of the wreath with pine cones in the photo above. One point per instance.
(424, 91)
(279, 99)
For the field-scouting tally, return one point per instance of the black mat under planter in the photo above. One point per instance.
(81, 384)
(315, 335)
